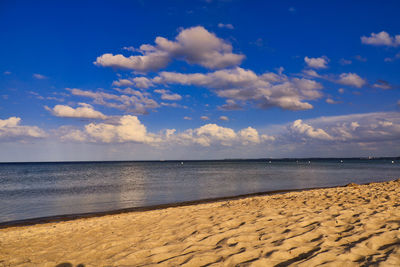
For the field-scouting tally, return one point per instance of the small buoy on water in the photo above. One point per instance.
(309, 162)
(269, 161)
(181, 162)
(392, 161)
(341, 161)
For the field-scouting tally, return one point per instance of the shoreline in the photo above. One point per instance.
(353, 225)
(77, 216)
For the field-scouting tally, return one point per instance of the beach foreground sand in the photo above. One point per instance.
(356, 225)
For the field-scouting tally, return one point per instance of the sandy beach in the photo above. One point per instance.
(356, 225)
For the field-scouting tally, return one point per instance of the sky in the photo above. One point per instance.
(205, 79)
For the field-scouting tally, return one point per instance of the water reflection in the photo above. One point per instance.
(35, 190)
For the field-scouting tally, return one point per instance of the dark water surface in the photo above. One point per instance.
(31, 190)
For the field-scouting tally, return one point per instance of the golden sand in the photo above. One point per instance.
(345, 226)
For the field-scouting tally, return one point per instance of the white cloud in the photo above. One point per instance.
(249, 135)
(68, 133)
(331, 101)
(381, 39)
(11, 129)
(167, 95)
(341, 91)
(187, 118)
(311, 73)
(204, 118)
(7, 72)
(209, 134)
(174, 105)
(237, 84)
(129, 48)
(391, 59)
(382, 84)
(328, 135)
(299, 127)
(83, 111)
(127, 129)
(139, 82)
(224, 118)
(150, 61)
(122, 83)
(317, 62)
(142, 82)
(354, 128)
(39, 76)
(194, 45)
(230, 104)
(137, 103)
(351, 79)
(226, 26)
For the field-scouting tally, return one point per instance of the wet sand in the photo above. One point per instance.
(349, 226)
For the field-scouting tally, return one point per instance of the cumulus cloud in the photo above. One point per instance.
(127, 129)
(83, 111)
(351, 79)
(230, 104)
(353, 128)
(39, 76)
(136, 102)
(204, 118)
(381, 39)
(194, 45)
(212, 132)
(122, 83)
(317, 62)
(250, 135)
(139, 82)
(311, 73)
(238, 84)
(209, 134)
(224, 118)
(226, 26)
(299, 127)
(10, 129)
(167, 95)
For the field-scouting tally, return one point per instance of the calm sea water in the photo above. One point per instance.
(32, 190)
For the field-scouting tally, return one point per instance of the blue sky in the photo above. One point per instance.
(116, 80)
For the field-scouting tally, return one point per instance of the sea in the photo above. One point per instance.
(35, 190)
